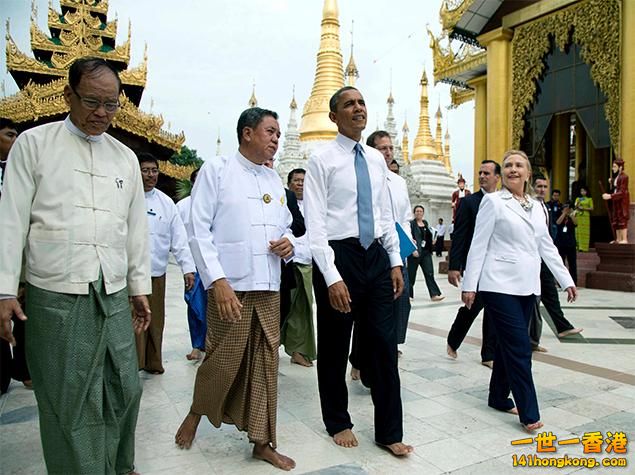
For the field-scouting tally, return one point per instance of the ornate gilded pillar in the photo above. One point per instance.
(480, 123)
(560, 155)
(627, 129)
(580, 151)
(499, 105)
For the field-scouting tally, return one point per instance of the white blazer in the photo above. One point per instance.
(507, 246)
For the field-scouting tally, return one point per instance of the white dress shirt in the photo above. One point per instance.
(440, 229)
(507, 246)
(330, 202)
(237, 208)
(183, 206)
(167, 233)
(302, 252)
(74, 203)
(400, 202)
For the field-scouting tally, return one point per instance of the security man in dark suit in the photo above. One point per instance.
(488, 179)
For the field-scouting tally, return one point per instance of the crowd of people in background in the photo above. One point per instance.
(256, 259)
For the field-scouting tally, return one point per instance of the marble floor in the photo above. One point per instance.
(584, 384)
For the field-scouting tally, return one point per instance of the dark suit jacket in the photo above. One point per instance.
(287, 279)
(464, 230)
(421, 236)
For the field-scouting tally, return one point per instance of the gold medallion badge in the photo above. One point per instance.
(282, 200)
(266, 198)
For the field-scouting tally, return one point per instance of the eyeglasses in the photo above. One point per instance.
(93, 104)
(149, 171)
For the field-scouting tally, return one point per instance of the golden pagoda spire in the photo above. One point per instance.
(351, 70)
(438, 136)
(446, 148)
(404, 142)
(253, 102)
(329, 77)
(424, 147)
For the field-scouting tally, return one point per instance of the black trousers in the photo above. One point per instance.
(425, 262)
(462, 323)
(438, 246)
(512, 371)
(549, 298)
(570, 258)
(366, 273)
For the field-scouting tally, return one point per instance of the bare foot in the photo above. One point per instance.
(532, 427)
(300, 359)
(185, 435)
(268, 454)
(355, 374)
(572, 331)
(513, 410)
(489, 364)
(540, 349)
(133, 473)
(437, 298)
(345, 438)
(28, 383)
(194, 355)
(451, 353)
(398, 449)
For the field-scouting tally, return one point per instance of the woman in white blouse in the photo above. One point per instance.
(503, 263)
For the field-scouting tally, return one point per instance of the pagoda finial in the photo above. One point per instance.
(4, 92)
(329, 77)
(351, 70)
(218, 152)
(253, 102)
(8, 29)
(33, 11)
(294, 105)
(129, 29)
(404, 141)
(424, 146)
(390, 125)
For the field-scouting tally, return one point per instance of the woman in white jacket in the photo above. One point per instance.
(503, 264)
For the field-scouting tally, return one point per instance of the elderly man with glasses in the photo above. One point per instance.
(73, 205)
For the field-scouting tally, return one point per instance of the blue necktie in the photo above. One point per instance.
(364, 200)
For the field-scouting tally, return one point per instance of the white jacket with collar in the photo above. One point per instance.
(507, 247)
(237, 208)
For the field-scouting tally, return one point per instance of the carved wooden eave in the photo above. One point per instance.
(37, 101)
(98, 7)
(179, 172)
(133, 120)
(456, 68)
(452, 11)
(460, 95)
(57, 21)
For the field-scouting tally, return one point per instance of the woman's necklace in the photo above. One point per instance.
(524, 202)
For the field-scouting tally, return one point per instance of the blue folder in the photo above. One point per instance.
(406, 247)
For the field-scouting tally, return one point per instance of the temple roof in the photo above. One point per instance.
(80, 29)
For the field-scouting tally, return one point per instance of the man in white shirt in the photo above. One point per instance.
(240, 229)
(73, 202)
(167, 234)
(196, 296)
(354, 244)
(298, 334)
(402, 214)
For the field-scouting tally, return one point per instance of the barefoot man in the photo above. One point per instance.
(240, 228)
(357, 276)
(72, 200)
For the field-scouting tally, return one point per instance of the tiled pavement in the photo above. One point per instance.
(582, 387)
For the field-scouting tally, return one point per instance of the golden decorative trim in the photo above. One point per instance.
(448, 64)
(97, 6)
(36, 101)
(452, 11)
(459, 95)
(133, 120)
(176, 171)
(594, 25)
(72, 18)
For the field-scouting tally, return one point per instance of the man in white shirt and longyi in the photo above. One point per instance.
(240, 228)
(167, 234)
(358, 274)
(72, 199)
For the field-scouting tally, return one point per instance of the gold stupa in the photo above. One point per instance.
(329, 77)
